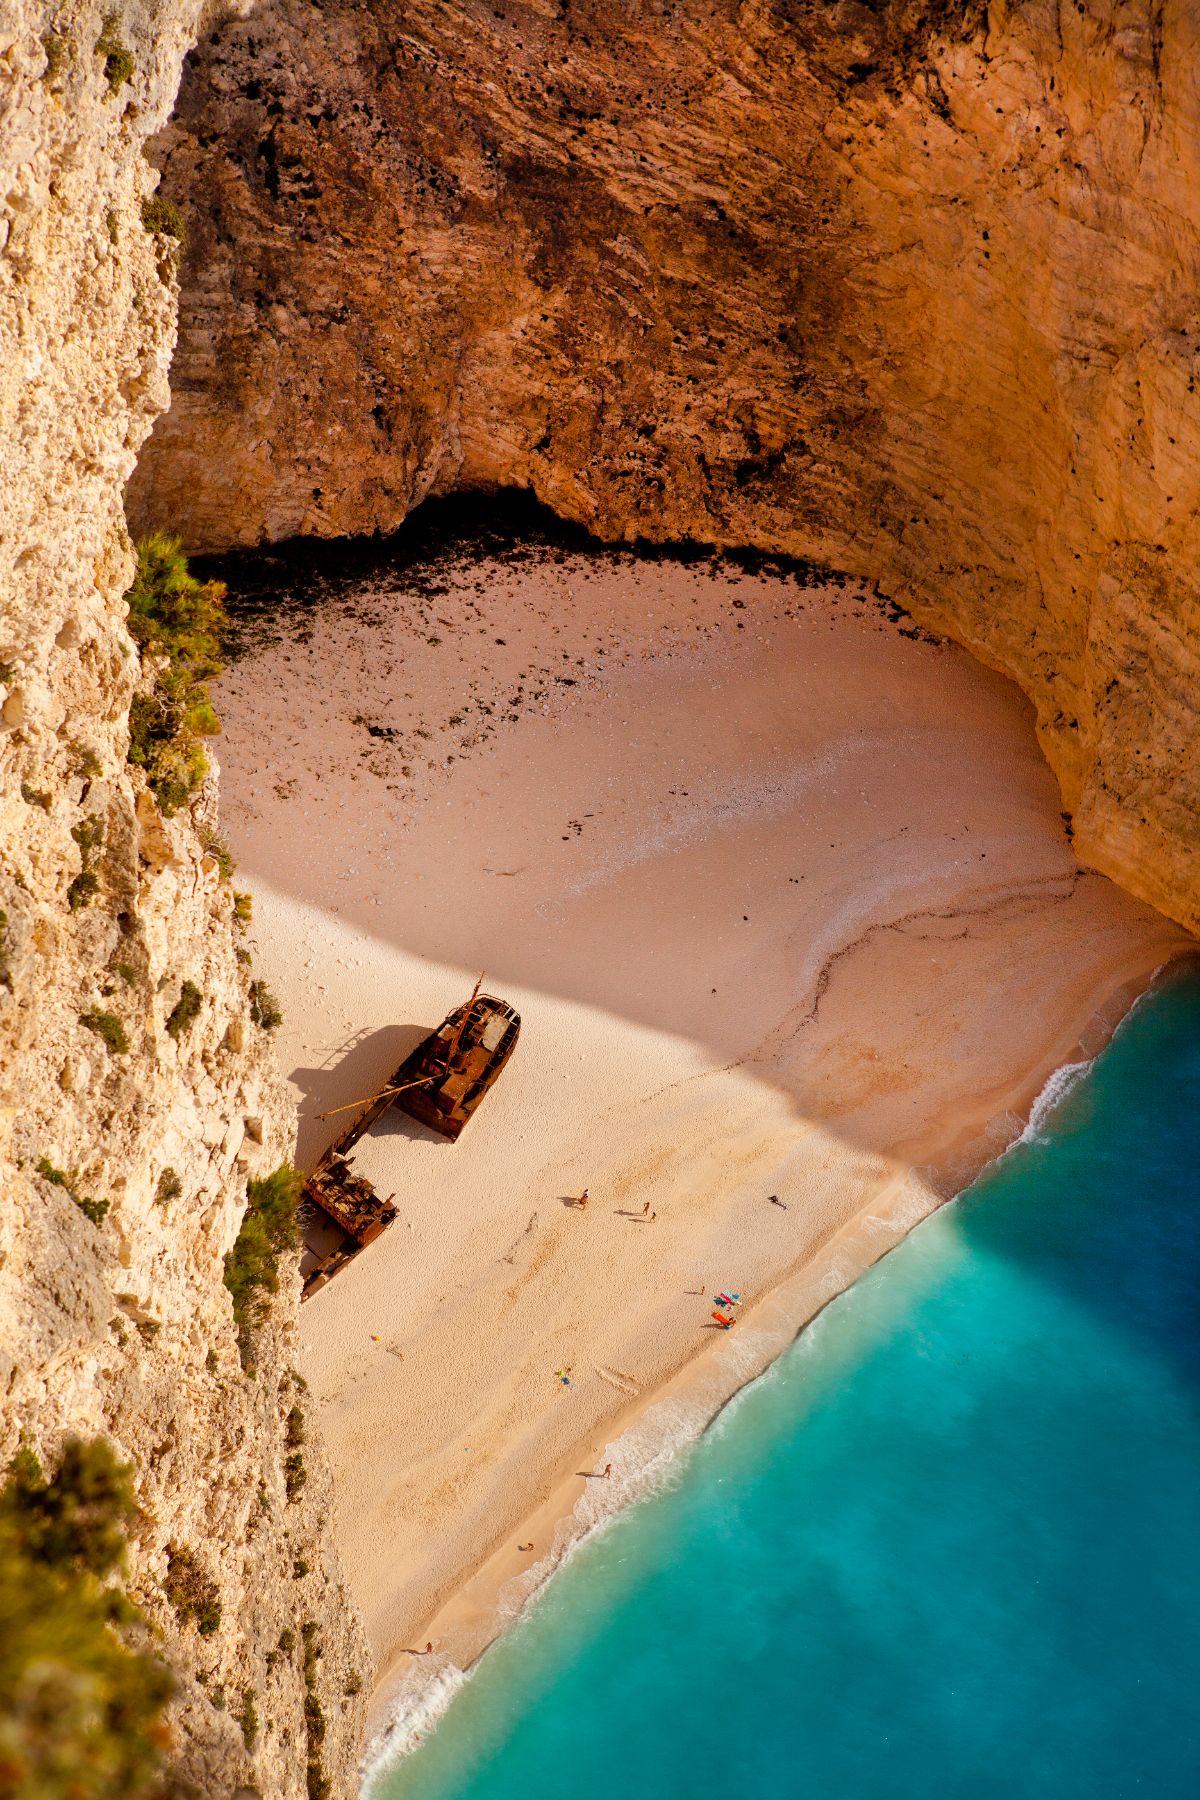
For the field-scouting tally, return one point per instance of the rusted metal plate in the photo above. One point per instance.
(457, 1064)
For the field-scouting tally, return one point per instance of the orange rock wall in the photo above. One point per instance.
(910, 288)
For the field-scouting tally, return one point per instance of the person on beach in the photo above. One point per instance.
(776, 1201)
(564, 1375)
(583, 1199)
(607, 1471)
(645, 1209)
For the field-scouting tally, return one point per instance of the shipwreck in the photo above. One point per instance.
(441, 1083)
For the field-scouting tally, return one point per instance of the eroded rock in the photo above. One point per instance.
(114, 1316)
(909, 288)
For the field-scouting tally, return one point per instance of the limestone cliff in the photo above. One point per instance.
(128, 1128)
(906, 286)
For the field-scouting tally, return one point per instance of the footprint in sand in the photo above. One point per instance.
(624, 1384)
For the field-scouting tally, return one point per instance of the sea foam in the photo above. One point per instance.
(1060, 1085)
(417, 1703)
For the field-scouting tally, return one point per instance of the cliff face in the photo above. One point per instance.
(125, 1146)
(905, 287)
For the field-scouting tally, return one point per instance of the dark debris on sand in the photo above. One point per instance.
(281, 583)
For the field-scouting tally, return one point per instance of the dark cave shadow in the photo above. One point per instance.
(364, 1064)
(509, 525)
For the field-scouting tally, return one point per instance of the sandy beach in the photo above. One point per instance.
(782, 892)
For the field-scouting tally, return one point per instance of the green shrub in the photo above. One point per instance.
(186, 1010)
(299, 1569)
(265, 1009)
(106, 1025)
(89, 835)
(294, 1475)
(174, 763)
(247, 1718)
(169, 1188)
(243, 909)
(94, 1210)
(191, 1593)
(287, 1640)
(164, 218)
(118, 59)
(295, 1433)
(268, 1228)
(35, 796)
(55, 47)
(217, 848)
(127, 972)
(86, 764)
(82, 1697)
(175, 621)
(83, 890)
(80, 1517)
(314, 1716)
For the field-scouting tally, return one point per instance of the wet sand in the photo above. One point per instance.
(781, 890)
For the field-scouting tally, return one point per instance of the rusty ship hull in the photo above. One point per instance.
(445, 1078)
(440, 1083)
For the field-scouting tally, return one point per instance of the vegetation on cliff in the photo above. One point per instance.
(119, 66)
(268, 1229)
(175, 621)
(186, 1010)
(162, 218)
(192, 1593)
(81, 1698)
(314, 1715)
(68, 1180)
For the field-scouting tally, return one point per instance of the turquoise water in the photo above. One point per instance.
(946, 1547)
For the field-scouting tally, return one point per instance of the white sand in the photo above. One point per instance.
(784, 900)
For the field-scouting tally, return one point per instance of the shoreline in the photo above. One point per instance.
(410, 1695)
(781, 891)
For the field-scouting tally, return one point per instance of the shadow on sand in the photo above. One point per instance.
(357, 1069)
